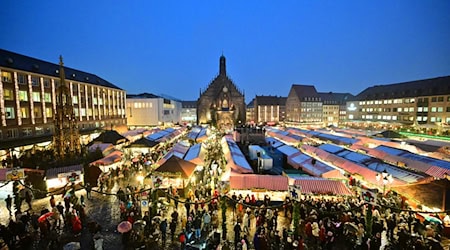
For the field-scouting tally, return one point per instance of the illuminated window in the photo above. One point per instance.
(75, 99)
(83, 112)
(411, 109)
(433, 109)
(39, 130)
(9, 112)
(23, 96)
(432, 119)
(47, 97)
(75, 111)
(440, 109)
(24, 111)
(37, 110)
(48, 112)
(425, 109)
(6, 76)
(8, 94)
(36, 96)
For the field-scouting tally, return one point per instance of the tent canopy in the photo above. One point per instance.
(111, 136)
(177, 165)
(143, 143)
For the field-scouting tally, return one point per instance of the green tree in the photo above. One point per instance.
(369, 221)
(296, 217)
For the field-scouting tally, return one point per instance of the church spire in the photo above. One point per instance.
(222, 69)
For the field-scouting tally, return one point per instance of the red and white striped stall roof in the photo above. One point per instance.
(322, 186)
(249, 181)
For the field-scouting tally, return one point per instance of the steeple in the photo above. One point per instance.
(222, 69)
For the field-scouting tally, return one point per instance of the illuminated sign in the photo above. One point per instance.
(352, 107)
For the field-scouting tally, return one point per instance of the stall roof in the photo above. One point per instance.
(251, 181)
(416, 157)
(177, 165)
(374, 164)
(195, 154)
(274, 142)
(321, 186)
(288, 150)
(53, 172)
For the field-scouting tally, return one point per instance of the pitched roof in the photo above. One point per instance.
(335, 98)
(270, 100)
(142, 96)
(426, 87)
(177, 165)
(305, 90)
(189, 104)
(13, 60)
(251, 104)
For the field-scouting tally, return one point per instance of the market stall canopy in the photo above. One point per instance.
(255, 181)
(3, 172)
(314, 185)
(111, 136)
(314, 167)
(234, 156)
(177, 165)
(53, 172)
(113, 157)
(143, 143)
(196, 154)
(106, 148)
(434, 194)
(389, 134)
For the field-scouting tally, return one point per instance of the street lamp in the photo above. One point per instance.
(385, 177)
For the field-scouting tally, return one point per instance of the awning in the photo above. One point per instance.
(114, 157)
(322, 186)
(438, 172)
(253, 181)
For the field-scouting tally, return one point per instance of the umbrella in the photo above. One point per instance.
(351, 226)
(124, 227)
(159, 218)
(72, 246)
(433, 219)
(139, 224)
(43, 217)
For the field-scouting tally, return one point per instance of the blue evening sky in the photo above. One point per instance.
(173, 47)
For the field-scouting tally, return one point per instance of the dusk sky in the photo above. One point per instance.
(173, 47)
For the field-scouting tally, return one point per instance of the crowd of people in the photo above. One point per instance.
(196, 220)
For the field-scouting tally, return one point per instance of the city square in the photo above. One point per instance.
(323, 126)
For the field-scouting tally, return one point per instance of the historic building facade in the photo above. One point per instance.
(423, 104)
(267, 109)
(222, 103)
(304, 105)
(334, 107)
(28, 94)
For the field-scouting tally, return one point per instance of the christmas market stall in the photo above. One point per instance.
(174, 172)
(57, 178)
(259, 186)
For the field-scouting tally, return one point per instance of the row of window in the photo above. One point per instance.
(387, 101)
(433, 99)
(10, 112)
(23, 79)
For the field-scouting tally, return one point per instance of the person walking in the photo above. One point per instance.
(88, 190)
(8, 201)
(173, 227)
(163, 228)
(52, 201)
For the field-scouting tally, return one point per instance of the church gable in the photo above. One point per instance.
(221, 95)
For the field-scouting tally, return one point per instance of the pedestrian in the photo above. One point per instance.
(88, 190)
(52, 201)
(82, 200)
(163, 228)
(28, 199)
(237, 233)
(8, 201)
(173, 227)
